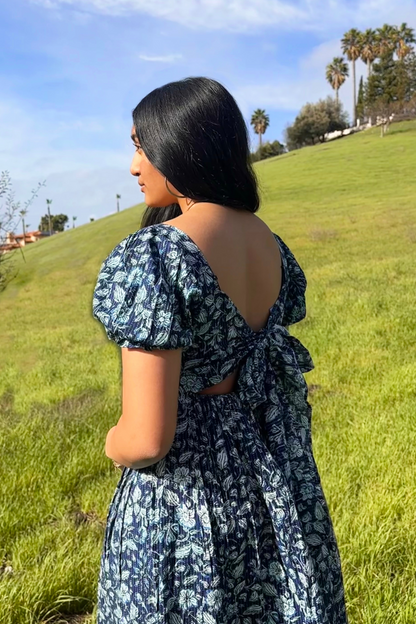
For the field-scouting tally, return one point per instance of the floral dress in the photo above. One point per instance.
(231, 526)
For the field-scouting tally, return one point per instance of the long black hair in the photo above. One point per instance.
(193, 132)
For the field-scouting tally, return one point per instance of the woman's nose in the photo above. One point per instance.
(134, 167)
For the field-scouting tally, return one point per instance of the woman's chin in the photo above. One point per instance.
(154, 203)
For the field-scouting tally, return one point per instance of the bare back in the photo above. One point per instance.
(242, 252)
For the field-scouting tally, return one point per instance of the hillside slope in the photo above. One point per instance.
(347, 210)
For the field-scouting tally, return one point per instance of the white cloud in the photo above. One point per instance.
(291, 88)
(249, 15)
(81, 17)
(236, 15)
(320, 56)
(169, 58)
(32, 142)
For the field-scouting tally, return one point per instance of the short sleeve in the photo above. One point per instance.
(295, 303)
(142, 296)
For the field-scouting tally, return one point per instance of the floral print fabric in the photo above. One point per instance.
(232, 525)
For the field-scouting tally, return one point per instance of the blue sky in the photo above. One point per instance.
(71, 71)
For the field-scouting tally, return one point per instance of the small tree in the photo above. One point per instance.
(314, 122)
(58, 222)
(268, 150)
(53, 223)
(9, 221)
(360, 101)
(338, 117)
(44, 223)
(383, 111)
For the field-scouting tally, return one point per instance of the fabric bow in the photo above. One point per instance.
(274, 352)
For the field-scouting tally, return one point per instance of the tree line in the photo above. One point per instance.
(390, 57)
(389, 89)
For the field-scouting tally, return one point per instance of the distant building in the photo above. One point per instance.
(14, 241)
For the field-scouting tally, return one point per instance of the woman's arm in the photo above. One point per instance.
(112, 445)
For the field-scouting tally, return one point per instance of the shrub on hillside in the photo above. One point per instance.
(314, 122)
(268, 150)
(58, 223)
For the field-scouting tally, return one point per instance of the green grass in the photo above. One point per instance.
(347, 210)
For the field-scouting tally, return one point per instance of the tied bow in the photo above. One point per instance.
(273, 352)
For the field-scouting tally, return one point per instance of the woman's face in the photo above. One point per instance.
(151, 180)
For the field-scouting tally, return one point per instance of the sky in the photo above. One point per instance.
(72, 71)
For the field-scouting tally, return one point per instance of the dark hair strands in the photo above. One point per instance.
(192, 131)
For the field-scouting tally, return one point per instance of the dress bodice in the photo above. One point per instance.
(156, 290)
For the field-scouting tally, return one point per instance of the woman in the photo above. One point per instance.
(219, 515)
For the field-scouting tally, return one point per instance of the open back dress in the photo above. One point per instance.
(232, 525)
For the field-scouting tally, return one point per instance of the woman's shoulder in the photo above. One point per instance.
(153, 253)
(149, 242)
(142, 295)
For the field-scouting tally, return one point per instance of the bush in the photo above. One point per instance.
(268, 150)
(314, 122)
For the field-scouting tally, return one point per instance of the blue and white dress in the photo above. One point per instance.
(231, 526)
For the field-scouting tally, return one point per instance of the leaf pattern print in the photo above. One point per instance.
(232, 525)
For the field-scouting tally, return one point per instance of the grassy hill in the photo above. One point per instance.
(347, 210)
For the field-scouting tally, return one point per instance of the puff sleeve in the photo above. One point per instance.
(142, 296)
(295, 303)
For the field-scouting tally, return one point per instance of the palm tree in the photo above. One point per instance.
(369, 48)
(260, 122)
(405, 38)
(387, 39)
(73, 221)
(48, 203)
(336, 74)
(23, 213)
(351, 46)
(118, 204)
